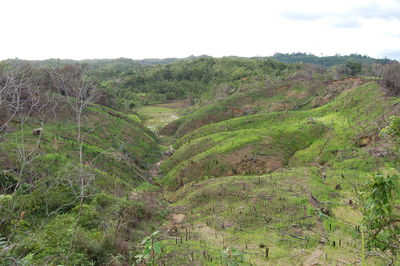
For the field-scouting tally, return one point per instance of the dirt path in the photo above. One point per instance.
(155, 169)
(156, 116)
(314, 257)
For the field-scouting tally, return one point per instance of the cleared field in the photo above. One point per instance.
(275, 187)
(158, 115)
(172, 104)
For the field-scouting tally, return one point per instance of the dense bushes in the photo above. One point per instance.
(189, 78)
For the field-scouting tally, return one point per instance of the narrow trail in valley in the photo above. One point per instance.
(155, 169)
(156, 116)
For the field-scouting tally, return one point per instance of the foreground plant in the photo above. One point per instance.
(381, 220)
(152, 248)
(232, 257)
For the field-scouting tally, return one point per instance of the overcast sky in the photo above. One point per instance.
(79, 29)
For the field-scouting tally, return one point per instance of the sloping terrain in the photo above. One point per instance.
(267, 164)
(275, 212)
(280, 181)
(294, 93)
(52, 209)
(274, 140)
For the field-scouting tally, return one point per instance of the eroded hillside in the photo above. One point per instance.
(252, 178)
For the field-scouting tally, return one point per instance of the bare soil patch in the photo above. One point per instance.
(244, 161)
(178, 218)
(314, 257)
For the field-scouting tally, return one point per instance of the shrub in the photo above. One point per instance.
(89, 216)
(53, 243)
(353, 68)
(381, 219)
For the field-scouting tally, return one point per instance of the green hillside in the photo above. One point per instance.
(71, 192)
(199, 161)
(327, 61)
(278, 168)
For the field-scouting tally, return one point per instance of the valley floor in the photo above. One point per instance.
(157, 116)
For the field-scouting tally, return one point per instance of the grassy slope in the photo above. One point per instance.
(111, 135)
(246, 209)
(118, 151)
(248, 172)
(296, 137)
(238, 151)
(249, 213)
(237, 105)
(286, 95)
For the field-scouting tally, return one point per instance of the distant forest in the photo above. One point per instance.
(328, 61)
(126, 63)
(126, 83)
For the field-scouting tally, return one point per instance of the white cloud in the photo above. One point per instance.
(178, 28)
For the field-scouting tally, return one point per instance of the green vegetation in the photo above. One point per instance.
(327, 61)
(155, 116)
(199, 161)
(68, 176)
(45, 211)
(380, 218)
(219, 171)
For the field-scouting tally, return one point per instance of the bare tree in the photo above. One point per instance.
(20, 99)
(391, 78)
(18, 96)
(80, 93)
